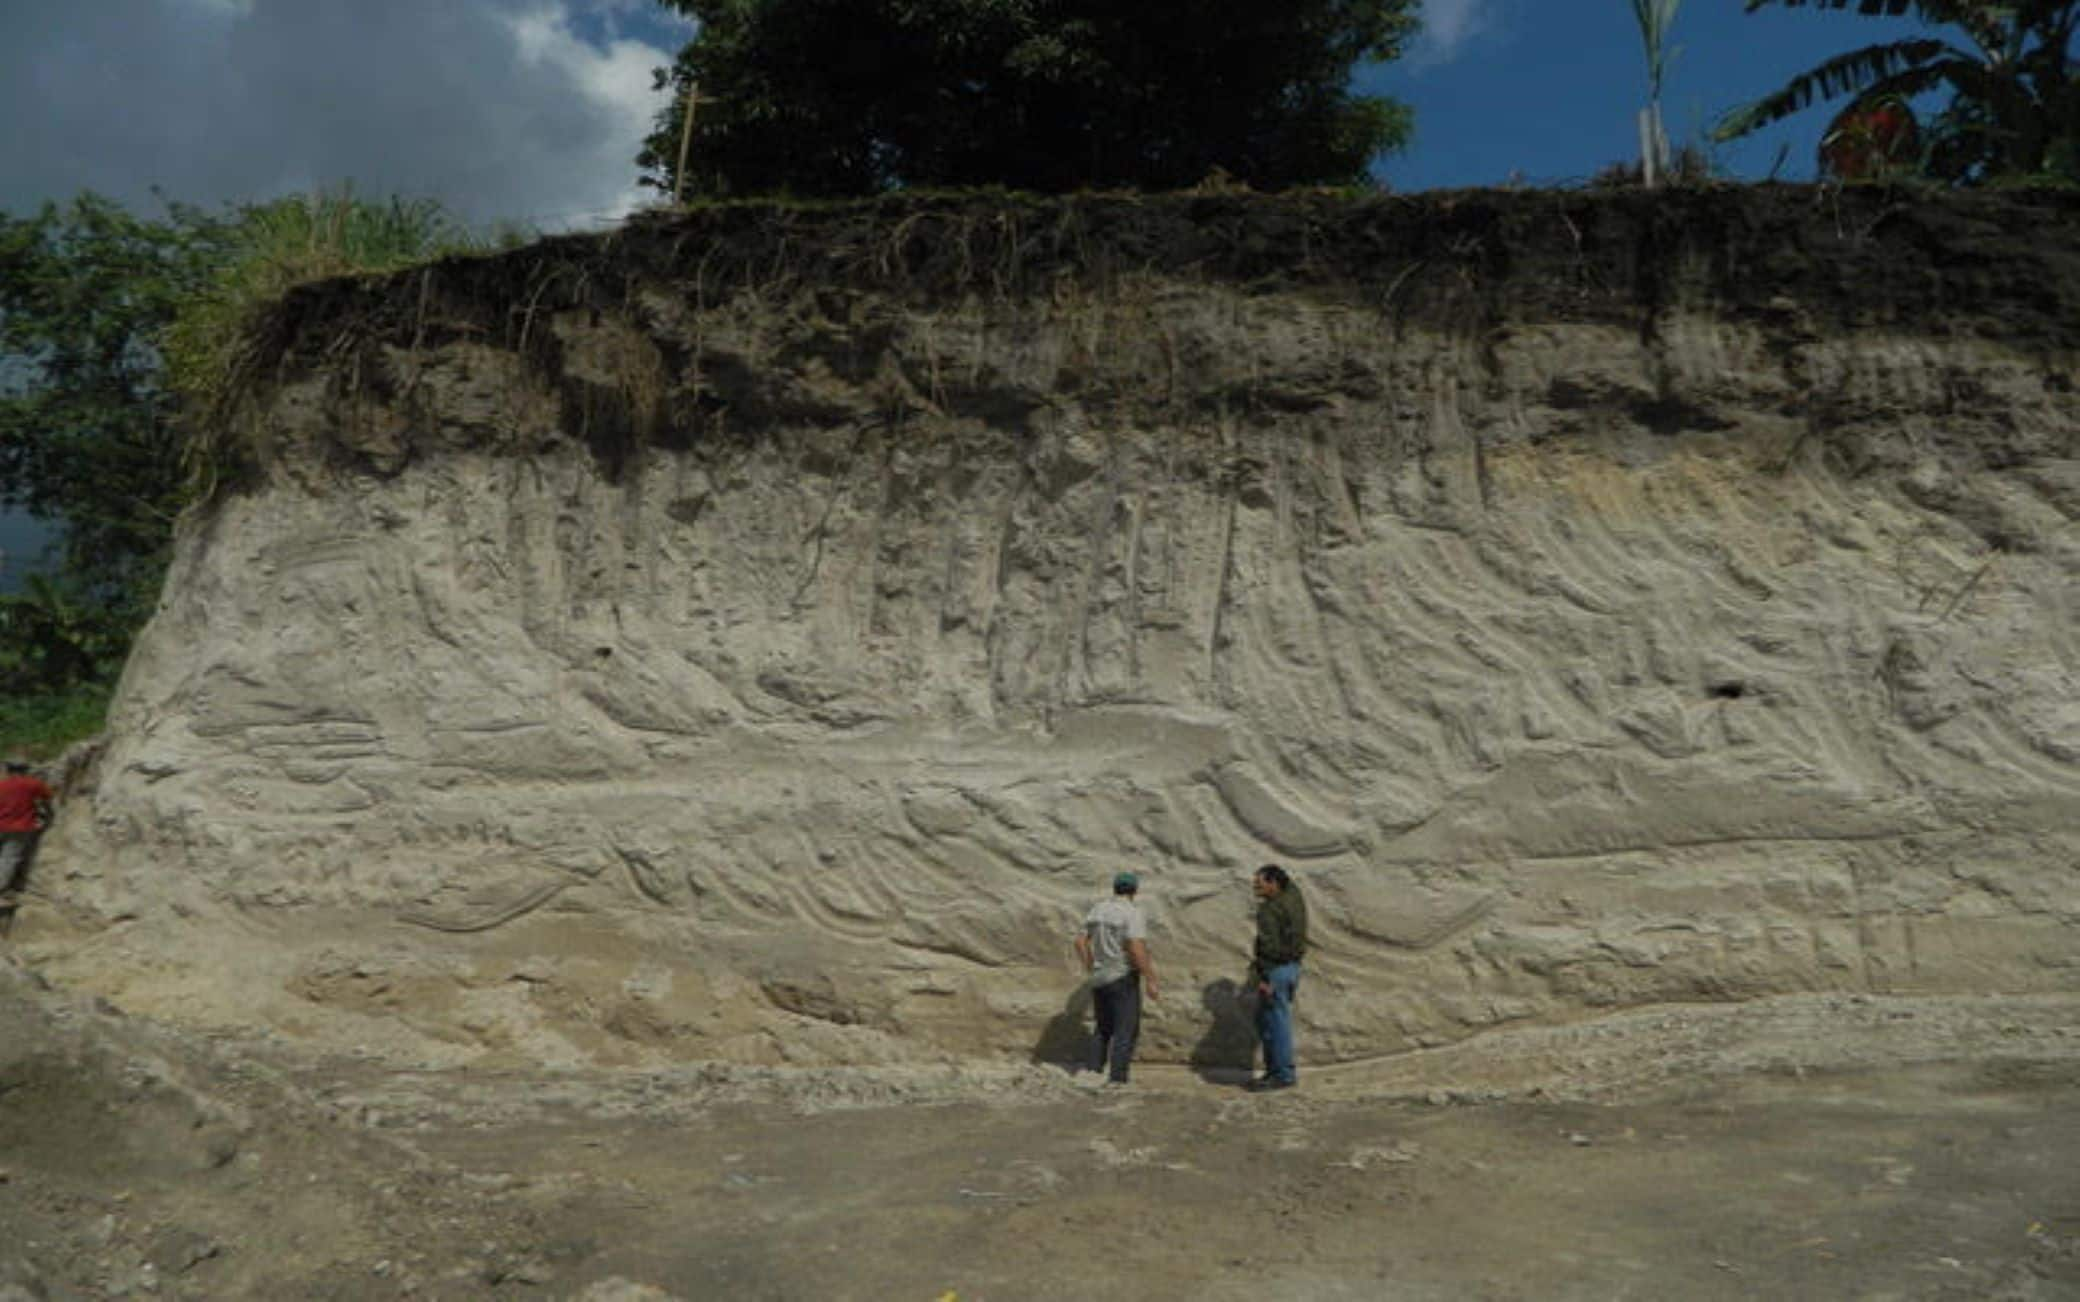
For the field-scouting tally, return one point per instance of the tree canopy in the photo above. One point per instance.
(2014, 97)
(88, 433)
(116, 333)
(850, 97)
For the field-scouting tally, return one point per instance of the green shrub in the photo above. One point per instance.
(128, 334)
(42, 725)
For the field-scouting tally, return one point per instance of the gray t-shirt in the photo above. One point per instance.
(1110, 925)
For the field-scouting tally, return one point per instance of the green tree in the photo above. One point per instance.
(89, 435)
(117, 337)
(52, 639)
(851, 97)
(2014, 100)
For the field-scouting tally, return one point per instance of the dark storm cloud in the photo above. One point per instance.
(523, 109)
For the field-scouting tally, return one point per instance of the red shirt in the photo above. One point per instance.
(19, 796)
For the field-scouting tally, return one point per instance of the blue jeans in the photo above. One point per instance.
(1275, 1021)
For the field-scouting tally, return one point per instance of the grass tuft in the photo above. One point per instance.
(41, 726)
(275, 247)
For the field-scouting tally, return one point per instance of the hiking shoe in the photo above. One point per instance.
(1265, 1084)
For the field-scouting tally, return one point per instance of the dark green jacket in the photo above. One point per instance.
(1281, 932)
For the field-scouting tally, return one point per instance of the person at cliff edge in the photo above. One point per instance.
(25, 806)
(1274, 971)
(1114, 950)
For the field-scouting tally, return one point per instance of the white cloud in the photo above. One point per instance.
(1448, 27)
(524, 110)
(614, 78)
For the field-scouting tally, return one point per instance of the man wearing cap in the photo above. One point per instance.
(25, 806)
(1114, 950)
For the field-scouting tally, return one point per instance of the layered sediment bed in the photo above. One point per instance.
(759, 632)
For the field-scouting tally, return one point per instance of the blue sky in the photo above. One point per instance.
(21, 538)
(533, 109)
(1549, 90)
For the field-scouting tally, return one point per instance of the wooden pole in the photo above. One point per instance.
(693, 99)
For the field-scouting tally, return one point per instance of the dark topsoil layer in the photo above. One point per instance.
(1798, 262)
(2002, 265)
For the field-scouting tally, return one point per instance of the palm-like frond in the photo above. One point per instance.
(1995, 26)
(1856, 73)
(1929, 11)
(1655, 17)
(2017, 86)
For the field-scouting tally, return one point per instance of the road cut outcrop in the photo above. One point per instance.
(758, 633)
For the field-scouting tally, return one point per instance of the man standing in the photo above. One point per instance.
(1114, 950)
(25, 806)
(1274, 971)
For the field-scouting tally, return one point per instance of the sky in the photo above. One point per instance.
(531, 111)
(525, 110)
(1548, 92)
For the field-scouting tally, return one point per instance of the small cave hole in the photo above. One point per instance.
(603, 652)
(1729, 691)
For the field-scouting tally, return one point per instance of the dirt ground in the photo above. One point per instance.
(1814, 1147)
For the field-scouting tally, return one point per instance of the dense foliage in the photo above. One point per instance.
(2013, 106)
(852, 97)
(116, 331)
(89, 432)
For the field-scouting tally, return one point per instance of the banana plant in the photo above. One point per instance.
(1655, 18)
(2014, 106)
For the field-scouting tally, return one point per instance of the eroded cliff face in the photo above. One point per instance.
(761, 634)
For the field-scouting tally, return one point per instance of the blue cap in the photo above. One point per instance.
(1125, 883)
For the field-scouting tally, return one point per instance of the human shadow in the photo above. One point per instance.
(1066, 1039)
(1227, 1052)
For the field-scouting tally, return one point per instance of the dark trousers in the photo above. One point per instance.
(1118, 1006)
(17, 850)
